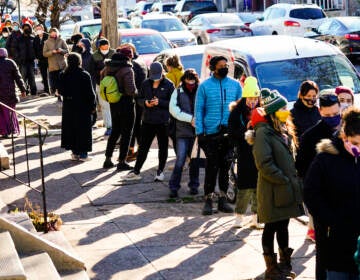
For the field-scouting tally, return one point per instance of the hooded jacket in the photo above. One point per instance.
(25, 52)
(98, 63)
(332, 195)
(86, 56)
(56, 60)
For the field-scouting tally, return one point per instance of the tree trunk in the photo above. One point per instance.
(55, 14)
(109, 21)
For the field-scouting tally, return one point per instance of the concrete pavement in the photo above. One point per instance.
(132, 230)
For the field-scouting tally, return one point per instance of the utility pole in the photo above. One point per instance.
(109, 21)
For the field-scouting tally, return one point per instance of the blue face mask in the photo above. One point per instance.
(333, 122)
(16, 28)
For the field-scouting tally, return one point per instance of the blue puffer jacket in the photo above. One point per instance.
(212, 103)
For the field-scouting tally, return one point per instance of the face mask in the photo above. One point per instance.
(352, 149)
(252, 104)
(53, 37)
(222, 72)
(282, 115)
(104, 52)
(344, 106)
(333, 122)
(309, 102)
(39, 32)
(5, 35)
(190, 87)
(27, 31)
(83, 50)
(16, 28)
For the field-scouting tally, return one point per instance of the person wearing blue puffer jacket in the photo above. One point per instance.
(211, 122)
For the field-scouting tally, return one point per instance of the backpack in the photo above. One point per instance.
(109, 90)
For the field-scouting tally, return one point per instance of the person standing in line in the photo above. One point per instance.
(211, 123)
(123, 111)
(55, 50)
(331, 193)
(154, 96)
(278, 187)
(4, 36)
(84, 49)
(79, 105)
(239, 123)
(346, 97)
(9, 75)
(181, 107)
(12, 41)
(39, 41)
(97, 65)
(175, 69)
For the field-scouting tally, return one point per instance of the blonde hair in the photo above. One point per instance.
(174, 61)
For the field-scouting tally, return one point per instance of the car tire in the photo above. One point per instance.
(199, 41)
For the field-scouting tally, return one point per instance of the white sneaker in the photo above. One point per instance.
(238, 223)
(159, 177)
(131, 176)
(74, 157)
(85, 158)
(254, 223)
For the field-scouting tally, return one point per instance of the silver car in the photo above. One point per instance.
(213, 27)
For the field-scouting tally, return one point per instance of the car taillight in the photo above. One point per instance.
(352, 36)
(144, 12)
(214, 30)
(291, 23)
(245, 29)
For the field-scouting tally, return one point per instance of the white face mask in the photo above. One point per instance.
(5, 35)
(344, 106)
(39, 32)
(104, 52)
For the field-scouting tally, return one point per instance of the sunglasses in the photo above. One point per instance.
(329, 97)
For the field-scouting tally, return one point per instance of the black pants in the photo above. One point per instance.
(27, 73)
(122, 126)
(282, 235)
(54, 81)
(148, 133)
(217, 151)
(137, 127)
(321, 250)
(43, 66)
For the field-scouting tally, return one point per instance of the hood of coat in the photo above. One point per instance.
(87, 44)
(326, 146)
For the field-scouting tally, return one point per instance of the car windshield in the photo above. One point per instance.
(192, 61)
(199, 5)
(147, 43)
(307, 13)
(66, 31)
(163, 25)
(94, 29)
(353, 24)
(286, 76)
(224, 19)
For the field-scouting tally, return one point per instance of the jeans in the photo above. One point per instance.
(183, 149)
(217, 151)
(27, 73)
(335, 275)
(148, 133)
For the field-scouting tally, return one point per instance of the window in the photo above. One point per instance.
(199, 5)
(307, 13)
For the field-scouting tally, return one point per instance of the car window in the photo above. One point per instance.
(94, 29)
(147, 7)
(351, 24)
(192, 61)
(336, 27)
(286, 76)
(276, 13)
(168, 8)
(163, 25)
(307, 13)
(147, 44)
(324, 27)
(199, 5)
(195, 22)
(222, 19)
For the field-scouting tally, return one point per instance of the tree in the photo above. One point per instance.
(54, 7)
(109, 21)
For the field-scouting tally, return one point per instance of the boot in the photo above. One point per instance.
(254, 222)
(208, 209)
(285, 262)
(272, 271)
(108, 163)
(223, 206)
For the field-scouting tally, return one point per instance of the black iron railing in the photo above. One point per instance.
(42, 133)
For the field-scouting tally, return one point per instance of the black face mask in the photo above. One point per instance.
(222, 72)
(27, 31)
(77, 49)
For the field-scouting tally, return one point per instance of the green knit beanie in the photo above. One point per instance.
(272, 100)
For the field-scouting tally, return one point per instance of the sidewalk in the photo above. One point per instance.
(133, 231)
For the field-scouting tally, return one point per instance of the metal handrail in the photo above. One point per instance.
(42, 134)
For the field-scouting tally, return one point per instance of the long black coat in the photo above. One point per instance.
(332, 195)
(78, 105)
(237, 124)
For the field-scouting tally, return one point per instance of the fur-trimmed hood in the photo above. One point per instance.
(327, 146)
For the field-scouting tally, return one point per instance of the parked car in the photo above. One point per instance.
(288, 19)
(213, 27)
(283, 62)
(163, 7)
(343, 32)
(190, 56)
(148, 42)
(187, 9)
(93, 27)
(247, 18)
(171, 27)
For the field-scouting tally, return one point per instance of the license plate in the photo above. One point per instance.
(230, 32)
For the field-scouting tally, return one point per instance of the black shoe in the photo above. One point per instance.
(122, 166)
(173, 194)
(223, 206)
(194, 191)
(207, 210)
(108, 163)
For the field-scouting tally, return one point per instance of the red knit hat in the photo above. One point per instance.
(344, 89)
(258, 116)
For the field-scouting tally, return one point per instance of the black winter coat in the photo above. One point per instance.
(237, 125)
(38, 48)
(11, 44)
(78, 104)
(25, 53)
(304, 117)
(307, 147)
(157, 114)
(141, 73)
(332, 195)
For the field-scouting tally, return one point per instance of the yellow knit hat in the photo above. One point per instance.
(251, 88)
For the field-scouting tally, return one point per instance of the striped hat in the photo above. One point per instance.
(272, 100)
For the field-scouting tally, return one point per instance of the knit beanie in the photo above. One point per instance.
(251, 88)
(272, 100)
(3, 52)
(127, 51)
(103, 42)
(344, 89)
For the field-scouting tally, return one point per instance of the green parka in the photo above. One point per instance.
(278, 187)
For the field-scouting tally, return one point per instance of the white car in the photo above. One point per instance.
(170, 27)
(288, 19)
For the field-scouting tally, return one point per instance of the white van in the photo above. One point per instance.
(284, 62)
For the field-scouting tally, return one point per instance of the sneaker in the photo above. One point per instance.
(74, 157)
(194, 191)
(254, 223)
(173, 194)
(83, 159)
(122, 166)
(131, 176)
(239, 219)
(310, 235)
(108, 163)
(107, 132)
(159, 177)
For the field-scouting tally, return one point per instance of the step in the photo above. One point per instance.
(39, 267)
(10, 264)
(27, 242)
(22, 219)
(4, 158)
